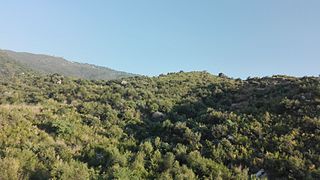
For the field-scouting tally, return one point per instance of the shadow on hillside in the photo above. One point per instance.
(254, 96)
(251, 97)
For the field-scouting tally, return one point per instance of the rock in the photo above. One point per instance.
(158, 115)
(230, 137)
(239, 104)
(261, 174)
(124, 82)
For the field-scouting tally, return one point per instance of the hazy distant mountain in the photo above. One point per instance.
(50, 64)
(9, 67)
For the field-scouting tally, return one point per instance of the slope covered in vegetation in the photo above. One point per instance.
(176, 126)
(45, 64)
(10, 68)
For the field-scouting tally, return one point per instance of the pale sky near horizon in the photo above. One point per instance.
(240, 38)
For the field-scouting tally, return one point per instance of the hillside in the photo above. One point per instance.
(177, 126)
(50, 65)
(10, 68)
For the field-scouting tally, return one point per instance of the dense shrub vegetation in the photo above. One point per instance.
(176, 126)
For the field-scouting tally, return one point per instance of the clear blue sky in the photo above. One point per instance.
(240, 38)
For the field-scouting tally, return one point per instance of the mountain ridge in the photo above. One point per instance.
(46, 64)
